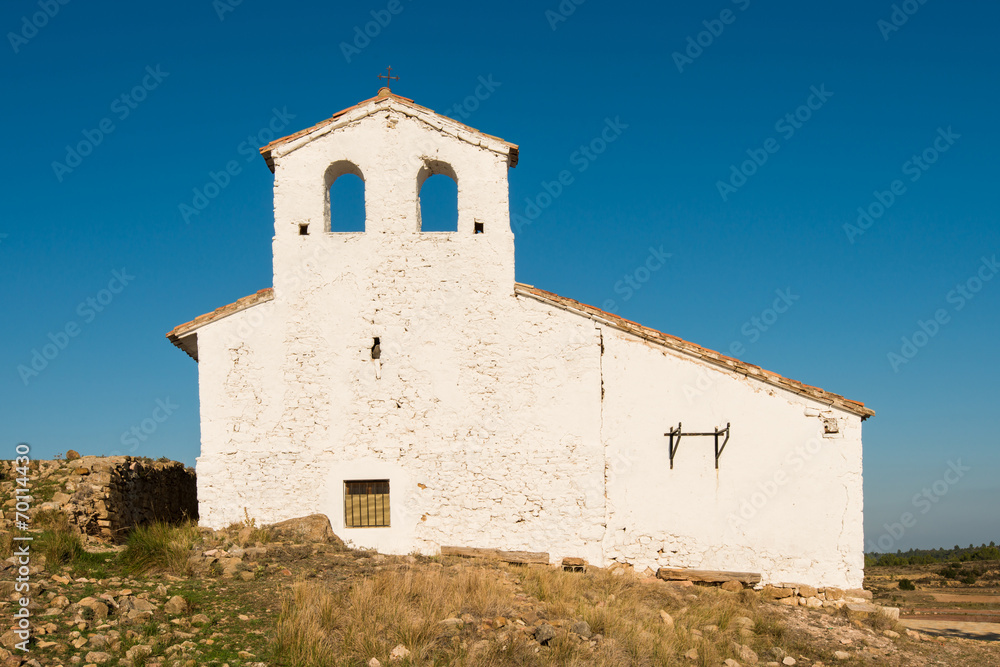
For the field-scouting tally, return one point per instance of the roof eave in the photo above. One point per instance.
(186, 343)
(184, 336)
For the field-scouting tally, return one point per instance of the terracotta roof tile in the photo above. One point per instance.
(176, 335)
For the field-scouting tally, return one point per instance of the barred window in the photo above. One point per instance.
(366, 503)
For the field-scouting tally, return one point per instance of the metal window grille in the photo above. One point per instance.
(366, 503)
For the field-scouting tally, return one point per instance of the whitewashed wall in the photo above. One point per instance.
(485, 410)
(786, 500)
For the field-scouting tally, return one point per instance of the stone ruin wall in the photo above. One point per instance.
(104, 497)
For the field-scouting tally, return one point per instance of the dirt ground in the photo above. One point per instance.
(941, 606)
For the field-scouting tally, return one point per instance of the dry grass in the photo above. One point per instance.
(247, 532)
(6, 544)
(368, 617)
(878, 621)
(159, 546)
(53, 519)
(372, 616)
(60, 546)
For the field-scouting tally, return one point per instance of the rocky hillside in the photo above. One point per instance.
(292, 594)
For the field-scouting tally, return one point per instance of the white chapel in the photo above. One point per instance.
(402, 383)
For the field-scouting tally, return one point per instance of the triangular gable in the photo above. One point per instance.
(388, 100)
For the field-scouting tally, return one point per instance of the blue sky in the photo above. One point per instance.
(747, 135)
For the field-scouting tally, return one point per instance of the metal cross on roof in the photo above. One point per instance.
(388, 77)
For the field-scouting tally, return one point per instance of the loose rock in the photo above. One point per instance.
(581, 628)
(544, 633)
(399, 654)
(175, 605)
(312, 528)
(138, 651)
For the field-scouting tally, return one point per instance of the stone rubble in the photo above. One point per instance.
(857, 600)
(104, 497)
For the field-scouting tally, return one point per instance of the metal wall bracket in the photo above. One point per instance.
(675, 441)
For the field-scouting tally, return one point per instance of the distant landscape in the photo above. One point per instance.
(943, 592)
(957, 554)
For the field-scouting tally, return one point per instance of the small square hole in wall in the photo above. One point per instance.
(377, 349)
(479, 228)
(304, 230)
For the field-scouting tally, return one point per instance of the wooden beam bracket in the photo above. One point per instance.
(675, 441)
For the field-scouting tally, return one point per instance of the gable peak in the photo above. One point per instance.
(386, 99)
